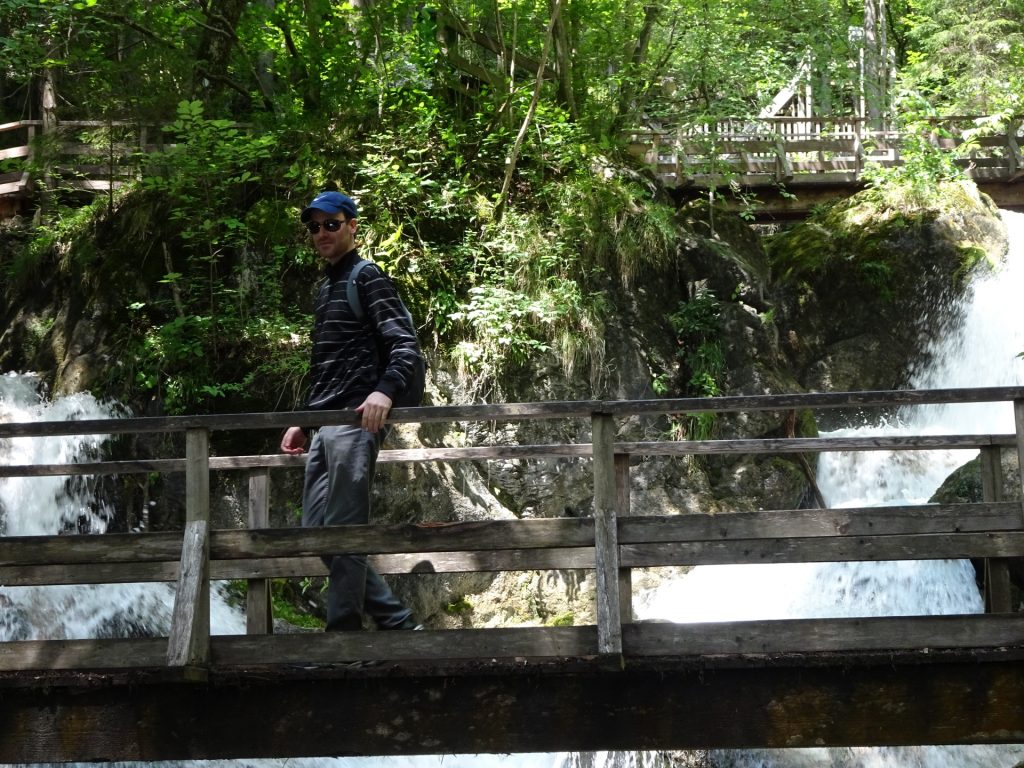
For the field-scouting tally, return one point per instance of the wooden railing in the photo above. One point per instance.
(88, 155)
(611, 543)
(812, 151)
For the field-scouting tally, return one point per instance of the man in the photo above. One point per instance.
(356, 363)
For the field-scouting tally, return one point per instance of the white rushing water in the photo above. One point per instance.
(979, 350)
(50, 505)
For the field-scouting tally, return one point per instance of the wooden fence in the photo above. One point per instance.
(76, 155)
(813, 151)
(611, 542)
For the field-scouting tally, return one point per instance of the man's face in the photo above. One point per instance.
(333, 245)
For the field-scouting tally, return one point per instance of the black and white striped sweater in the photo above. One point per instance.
(351, 357)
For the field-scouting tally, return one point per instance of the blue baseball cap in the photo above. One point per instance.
(332, 203)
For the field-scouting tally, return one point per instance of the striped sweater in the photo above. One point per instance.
(352, 358)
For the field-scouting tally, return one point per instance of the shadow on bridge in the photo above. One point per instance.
(617, 684)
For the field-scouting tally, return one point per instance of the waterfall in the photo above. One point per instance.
(33, 506)
(980, 349)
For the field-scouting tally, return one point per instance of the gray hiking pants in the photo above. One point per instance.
(339, 478)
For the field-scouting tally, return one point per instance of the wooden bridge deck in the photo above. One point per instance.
(785, 166)
(618, 684)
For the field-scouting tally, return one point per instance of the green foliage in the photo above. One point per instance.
(567, 619)
(206, 265)
(702, 360)
(285, 601)
(460, 606)
(915, 182)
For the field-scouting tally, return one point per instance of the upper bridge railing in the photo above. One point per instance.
(99, 156)
(611, 542)
(821, 151)
(77, 155)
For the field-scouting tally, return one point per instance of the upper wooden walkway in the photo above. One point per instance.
(788, 165)
(782, 166)
(617, 684)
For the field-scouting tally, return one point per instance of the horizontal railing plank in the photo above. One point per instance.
(825, 549)
(713, 643)
(553, 451)
(887, 533)
(82, 654)
(520, 411)
(91, 548)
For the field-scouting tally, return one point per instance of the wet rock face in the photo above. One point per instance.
(863, 287)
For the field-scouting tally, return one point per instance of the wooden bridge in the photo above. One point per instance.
(770, 167)
(781, 167)
(618, 684)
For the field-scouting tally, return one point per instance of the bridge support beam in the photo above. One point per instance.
(513, 707)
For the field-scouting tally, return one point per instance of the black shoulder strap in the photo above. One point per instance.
(352, 290)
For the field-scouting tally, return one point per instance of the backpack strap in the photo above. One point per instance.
(352, 290)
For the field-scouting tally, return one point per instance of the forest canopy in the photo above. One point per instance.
(483, 140)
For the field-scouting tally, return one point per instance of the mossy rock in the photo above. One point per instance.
(866, 274)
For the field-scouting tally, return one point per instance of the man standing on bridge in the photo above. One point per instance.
(357, 362)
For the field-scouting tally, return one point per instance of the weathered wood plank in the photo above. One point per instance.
(82, 654)
(799, 523)
(813, 550)
(431, 537)
(518, 411)
(90, 573)
(189, 642)
(931, 696)
(812, 445)
(424, 563)
(530, 709)
(108, 548)
(997, 571)
(713, 644)
(834, 635)
(535, 452)
(412, 548)
(622, 501)
(259, 619)
(606, 544)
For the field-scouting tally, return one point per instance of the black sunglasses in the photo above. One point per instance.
(331, 225)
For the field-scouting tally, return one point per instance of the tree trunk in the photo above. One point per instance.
(213, 53)
(627, 98)
(49, 140)
(563, 61)
(874, 62)
(513, 157)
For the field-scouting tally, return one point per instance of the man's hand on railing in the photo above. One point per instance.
(293, 441)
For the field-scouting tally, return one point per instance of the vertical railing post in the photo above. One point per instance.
(258, 613)
(189, 642)
(997, 571)
(1018, 420)
(625, 574)
(606, 538)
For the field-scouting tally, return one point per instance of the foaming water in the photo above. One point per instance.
(980, 348)
(37, 506)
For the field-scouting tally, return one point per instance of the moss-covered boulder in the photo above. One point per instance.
(863, 281)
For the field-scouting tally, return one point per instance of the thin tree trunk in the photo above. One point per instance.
(48, 139)
(513, 157)
(563, 59)
(637, 58)
(874, 61)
